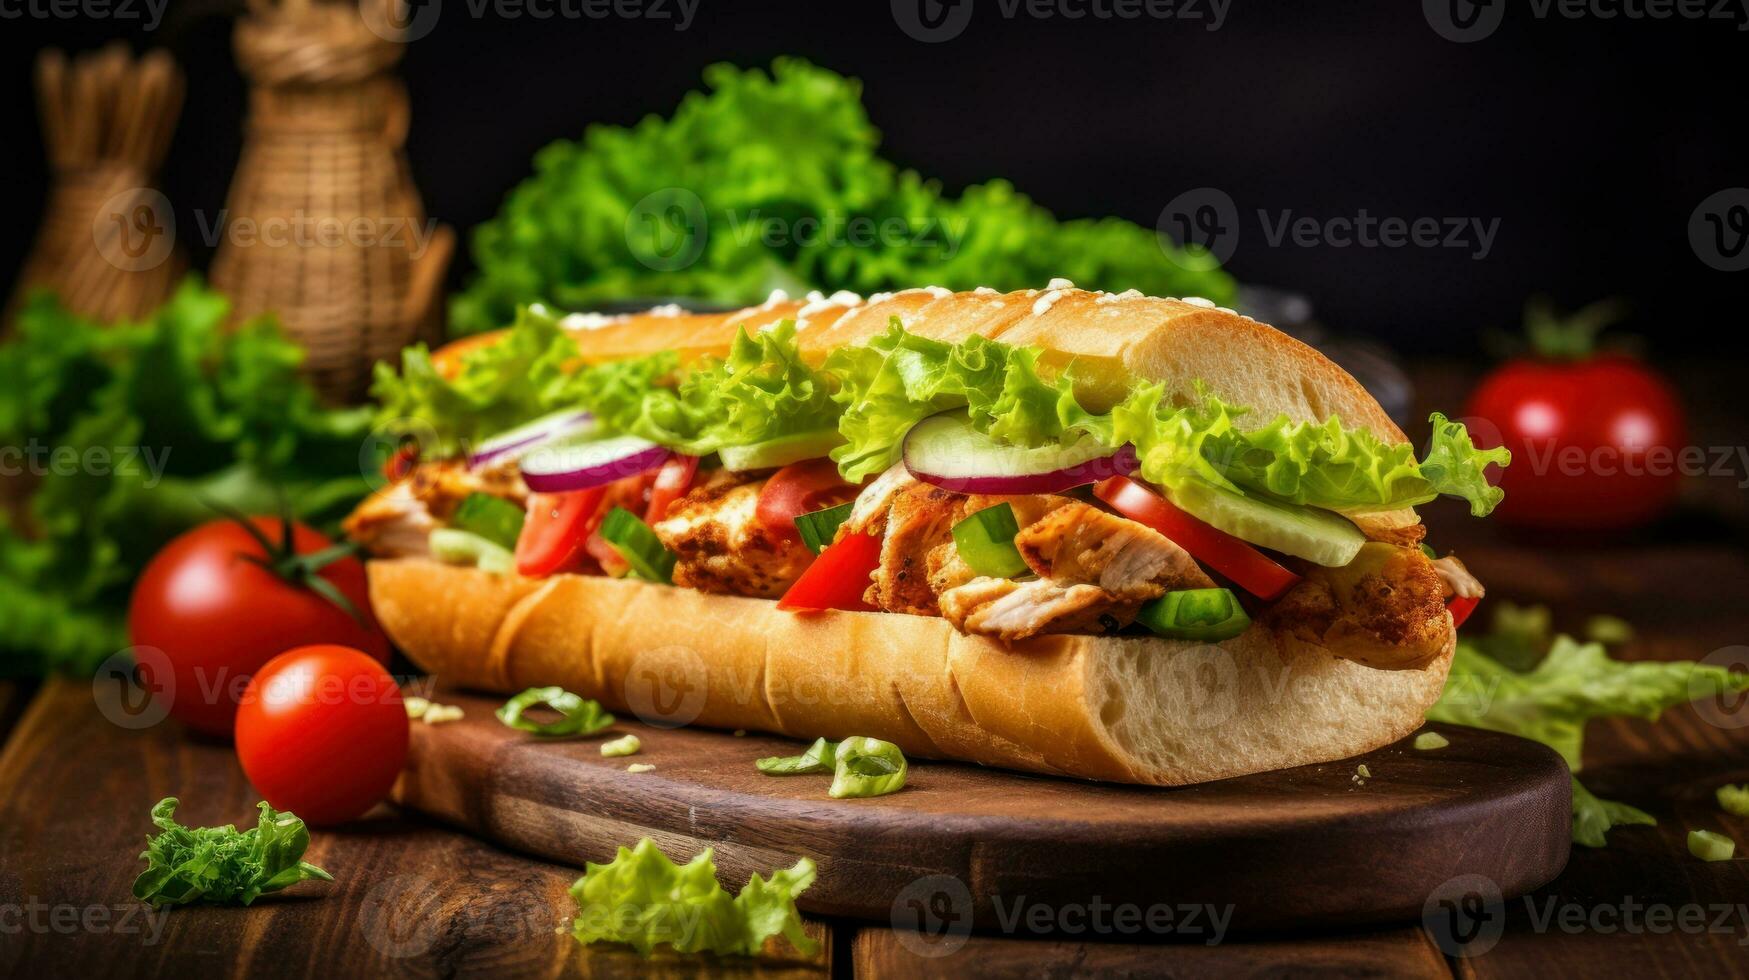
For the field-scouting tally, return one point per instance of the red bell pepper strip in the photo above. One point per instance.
(839, 577)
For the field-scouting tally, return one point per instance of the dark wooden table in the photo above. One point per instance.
(414, 899)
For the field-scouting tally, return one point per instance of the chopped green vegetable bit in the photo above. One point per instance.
(624, 745)
(1362, 771)
(640, 767)
(867, 767)
(821, 757)
(1205, 615)
(493, 518)
(1734, 799)
(639, 546)
(1428, 741)
(578, 716)
(1708, 846)
(1609, 630)
(985, 541)
(458, 547)
(820, 527)
(644, 900)
(223, 864)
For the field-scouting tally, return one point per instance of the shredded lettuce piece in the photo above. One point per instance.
(644, 900)
(520, 377)
(223, 864)
(1551, 701)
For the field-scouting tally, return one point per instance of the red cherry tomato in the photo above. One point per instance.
(672, 482)
(218, 616)
(797, 489)
(838, 578)
(1594, 443)
(322, 732)
(1249, 568)
(557, 526)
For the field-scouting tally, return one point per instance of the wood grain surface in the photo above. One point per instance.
(1310, 845)
(408, 899)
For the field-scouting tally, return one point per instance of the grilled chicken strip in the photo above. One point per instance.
(1385, 609)
(397, 520)
(1095, 570)
(721, 545)
(918, 545)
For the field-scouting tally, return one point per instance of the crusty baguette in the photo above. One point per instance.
(1118, 708)
(1131, 710)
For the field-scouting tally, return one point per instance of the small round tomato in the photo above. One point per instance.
(225, 598)
(1594, 442)
(322, 732)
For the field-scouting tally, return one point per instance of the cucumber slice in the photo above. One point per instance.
(781, 451)
(1304, 532)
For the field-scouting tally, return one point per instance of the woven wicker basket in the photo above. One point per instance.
(323, 226)
(107, 240)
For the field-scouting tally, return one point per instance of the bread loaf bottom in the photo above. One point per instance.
(1132, 710)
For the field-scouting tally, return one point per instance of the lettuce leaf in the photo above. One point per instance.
(146, 421)
(900, 378)
(1551, 702)
(773, 178)
(645, 900)
(223, 864)
(515, 380)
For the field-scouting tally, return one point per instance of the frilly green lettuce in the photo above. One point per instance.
(644, 900)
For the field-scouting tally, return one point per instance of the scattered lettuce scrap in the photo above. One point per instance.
(773, 180)
(223, 864)
(146, 421)
(1733, 799)
(644, 900)
(1550, 700)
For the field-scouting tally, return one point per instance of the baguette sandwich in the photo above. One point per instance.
(1078, 533)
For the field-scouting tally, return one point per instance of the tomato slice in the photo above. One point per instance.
(672, 481)
(1461, 607)
(838, 578)
(555, 530)
(1249, 568)
(797, 489)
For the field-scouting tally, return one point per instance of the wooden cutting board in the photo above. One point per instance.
(961, 843)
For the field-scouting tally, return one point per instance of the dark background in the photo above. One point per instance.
(1592, 141)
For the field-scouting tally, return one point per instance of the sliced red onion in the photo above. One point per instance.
(577, 464)
(509, 445)
(946, 451)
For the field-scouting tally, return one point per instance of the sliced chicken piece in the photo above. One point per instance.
(392, 523)
(1457, 579)
(1095, 570)
(919, 538)
(1010, 609)
(868, 515)
(1385, 609)
(1402, 526)
(1129, 561)
(442, 486)
(722, 546)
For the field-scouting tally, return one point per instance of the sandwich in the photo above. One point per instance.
(1086, 534)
